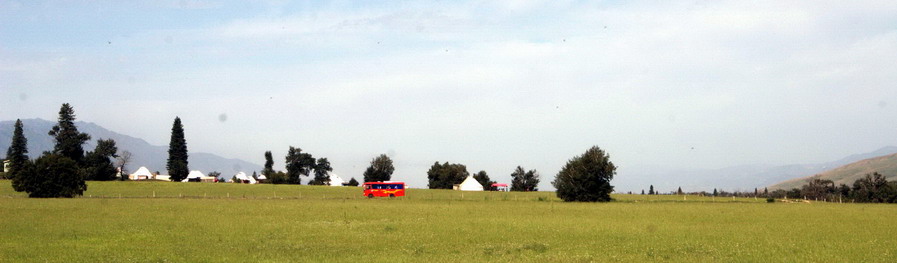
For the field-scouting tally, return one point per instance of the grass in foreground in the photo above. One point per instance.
(440, 227)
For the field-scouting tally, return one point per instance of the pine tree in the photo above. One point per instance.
(715, 193)
(17, 154)
(524, 181)
(68, 139)
(269, 165)
(177, 153)
(651, 190)
(679, 192)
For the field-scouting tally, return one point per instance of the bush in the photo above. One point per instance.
(53, 175)
(770, 200)
(586, 178)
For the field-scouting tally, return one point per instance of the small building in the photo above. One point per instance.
(6, 166)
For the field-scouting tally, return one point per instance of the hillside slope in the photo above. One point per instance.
(144, 154)
(847, 174)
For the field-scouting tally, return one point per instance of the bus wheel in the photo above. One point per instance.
(370, 195)
(392, 195)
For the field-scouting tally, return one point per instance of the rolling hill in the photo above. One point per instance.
(847, 174)
(144, 154)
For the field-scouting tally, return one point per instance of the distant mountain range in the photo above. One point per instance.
(143, 154)
(736, 178)
(847, 174)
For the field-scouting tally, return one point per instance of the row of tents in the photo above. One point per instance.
(144, 173)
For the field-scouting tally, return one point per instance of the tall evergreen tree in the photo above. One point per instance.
(524, 181)
(98, 163)
(17, 154)
(381, 169)
(715, 193)
(651, 190)
(269, 164)
(68, 139)
(177, 153)
(322, 170)
(679, 192)
(484, 180)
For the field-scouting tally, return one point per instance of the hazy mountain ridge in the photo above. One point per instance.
(885, 165)
(735, 178)
(144, 154)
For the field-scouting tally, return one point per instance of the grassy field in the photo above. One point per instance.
(196, 222)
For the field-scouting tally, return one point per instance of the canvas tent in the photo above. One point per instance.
(244, 178)
(335, 180)
(470, 184)
(142, 173)
(194, 176)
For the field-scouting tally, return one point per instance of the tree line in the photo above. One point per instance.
(63, 171)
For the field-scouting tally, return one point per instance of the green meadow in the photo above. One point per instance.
(207, 222)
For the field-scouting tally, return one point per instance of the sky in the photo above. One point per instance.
(488, 84)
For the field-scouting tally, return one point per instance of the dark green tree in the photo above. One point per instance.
(299, 164)
(872, 188)
(177, 153)
(381, 169)
(651, 190)
(484, 180)
(679, 192)
(353, 182)
(98, 163)
(524, 181)
(643, 191)
(322, 170)
(585, 178)
(68, 139)
(446, 175)
(715, 193)
(269, 164)
(53, 175)
(17, 154)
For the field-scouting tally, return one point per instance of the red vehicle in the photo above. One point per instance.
(384, 189)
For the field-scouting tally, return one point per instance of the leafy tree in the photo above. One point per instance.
(17, 154)
(215, 174)
(277, 178)
(651, 190)
(483, 179)
(68, 139)
(122, 162)
(818, 189)
(298, 164)
(98, 163)
(873, 188)
(353, 182)
(446, 176)
(585, 178)
(53, 175)
(381, 169)
(269, 164)
(321, 170)
(524, 181)
(177, 153)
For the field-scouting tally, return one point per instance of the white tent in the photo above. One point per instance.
(197, 175)
(142, 173)
(470, 184)
(335, 180)
(244, 177)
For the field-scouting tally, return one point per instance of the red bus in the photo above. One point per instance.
(384, 189)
